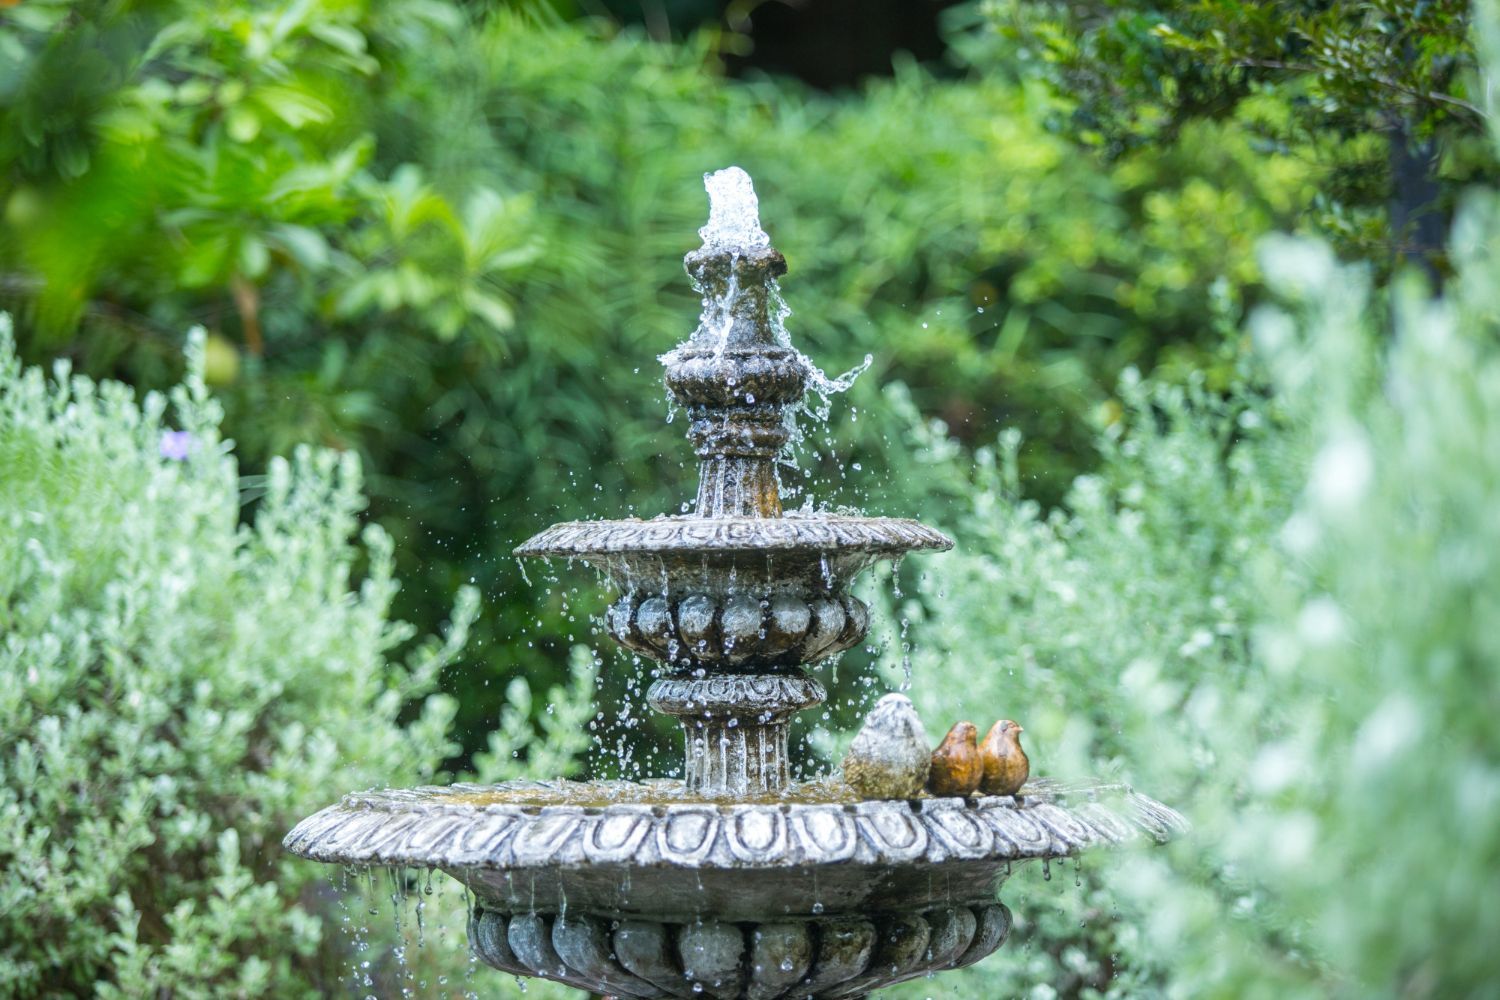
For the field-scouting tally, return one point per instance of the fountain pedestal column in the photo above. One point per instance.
(736, 382)
(735, 727)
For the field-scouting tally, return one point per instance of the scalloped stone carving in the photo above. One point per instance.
(727, 696)
(818, 958)
(739, 630)
(693, 536)
(514, 849)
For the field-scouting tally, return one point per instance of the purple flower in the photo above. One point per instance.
(176, 445)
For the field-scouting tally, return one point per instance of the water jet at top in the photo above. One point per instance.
(733, 213)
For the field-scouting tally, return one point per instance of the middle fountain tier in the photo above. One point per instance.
(738, 596)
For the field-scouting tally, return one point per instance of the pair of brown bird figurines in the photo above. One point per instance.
(962, 766)
(889, 758)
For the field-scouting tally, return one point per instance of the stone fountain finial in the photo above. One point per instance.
(735, 376)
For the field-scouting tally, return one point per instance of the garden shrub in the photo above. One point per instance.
(1273, 610)
(178, 687)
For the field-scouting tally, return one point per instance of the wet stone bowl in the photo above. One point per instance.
(560, 869)
(736, 592)
(817, 957)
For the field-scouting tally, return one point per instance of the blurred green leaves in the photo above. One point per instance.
(445, 264)
(1386, 97)
(168, 148)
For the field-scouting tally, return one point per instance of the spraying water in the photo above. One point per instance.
(734, 228)
(733, 212)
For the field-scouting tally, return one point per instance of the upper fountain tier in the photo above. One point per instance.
(735, 597)
(740, 383)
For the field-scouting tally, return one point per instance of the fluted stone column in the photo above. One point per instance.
(735, 727)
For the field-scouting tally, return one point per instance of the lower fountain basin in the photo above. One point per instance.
(647, 889)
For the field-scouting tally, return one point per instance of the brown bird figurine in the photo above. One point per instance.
(956, 767)
(1005, 765)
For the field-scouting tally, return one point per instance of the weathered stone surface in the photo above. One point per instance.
(992, 927)
(530, 940)
(738, 630)
(962, 832)
(900, 948)
(735, 727)
(583, 944)
(487, 939)
(845, 946)
(891, 754)
(713, 957)
(593, 541)
(644, 948)
(952, 932)
(780, 955)
(815, 957)
(720, 696)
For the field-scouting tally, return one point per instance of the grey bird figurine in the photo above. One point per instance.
(890, 755)
(1005, 765)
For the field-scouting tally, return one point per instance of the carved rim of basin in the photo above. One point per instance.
(800, 552)
(814, 532)
(662, 854)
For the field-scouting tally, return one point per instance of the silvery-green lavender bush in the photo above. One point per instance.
(179, 685)
(1275, 610)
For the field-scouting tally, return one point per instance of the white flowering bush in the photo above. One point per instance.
(1275, 610)
(178, 687)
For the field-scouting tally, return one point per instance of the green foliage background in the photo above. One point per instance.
(1271, 605)
(1239, 553)
(454, 246)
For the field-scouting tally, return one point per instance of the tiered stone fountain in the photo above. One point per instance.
(733, 882)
